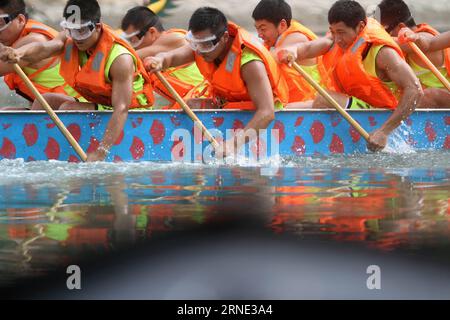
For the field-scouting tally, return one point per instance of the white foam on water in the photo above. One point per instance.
(269, 165)
(18, 170)
(43, 172)
(397, 143)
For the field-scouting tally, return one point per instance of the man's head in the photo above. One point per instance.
(142, 27)
(13, 19)
(208, 33)
(395, 15)
(82, 23)
(272, 18)
(347, 19)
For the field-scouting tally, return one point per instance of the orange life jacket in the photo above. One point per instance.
(14, 81)
(90, 80)
(181, 87)
(349, 74)
(428, 29)
(226, 81)
(299, 88)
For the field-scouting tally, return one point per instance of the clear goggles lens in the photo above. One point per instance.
(204, 45)
(5, 21)
(134, 38)
(78, 32)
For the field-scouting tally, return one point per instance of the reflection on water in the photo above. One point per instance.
(52, 214)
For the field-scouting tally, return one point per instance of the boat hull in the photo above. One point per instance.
(155, 135)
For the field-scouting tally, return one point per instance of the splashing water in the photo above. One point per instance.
(397, 144)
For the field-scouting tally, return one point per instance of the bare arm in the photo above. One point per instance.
(295, 39)
(398, 71)
(34, 52)
(258, 85)
(121, 74)
(316, 48)
(440, 42)
(431, 44)
(305, 50)
(174, 58)
(6, 68)
(164, 44)
(423, 40)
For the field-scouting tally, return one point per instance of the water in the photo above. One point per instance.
(10, 98)
(53, 214)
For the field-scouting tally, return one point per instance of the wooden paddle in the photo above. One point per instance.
(331, 100)
(186, 109)
(50, 112)
(429, 64)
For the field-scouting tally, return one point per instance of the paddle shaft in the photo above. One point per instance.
(429, 64)
(51, 113)
(186, 109)
(331, 100)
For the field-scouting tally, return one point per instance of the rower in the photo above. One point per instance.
(368, 68)
(17, 30)
(241, 72)
(275, 26)
(396, 15)
(97, 63)
(145, 32)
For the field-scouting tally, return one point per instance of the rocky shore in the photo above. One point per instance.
(311, 13)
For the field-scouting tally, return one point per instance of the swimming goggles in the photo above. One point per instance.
(205, 45)
(136, 38)
(5, 21)
(78, 32)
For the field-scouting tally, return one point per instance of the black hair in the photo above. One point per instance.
(347, 11)
(141, 18)
(89, 9)
(208, 18)
(273, 11)
(13, 7)
(394, 12)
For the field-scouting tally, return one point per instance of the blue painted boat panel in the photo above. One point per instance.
(154, 135)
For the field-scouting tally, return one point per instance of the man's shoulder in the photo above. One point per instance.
(170, 40)
(387, 57)
(296, 36)
(30, 38)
